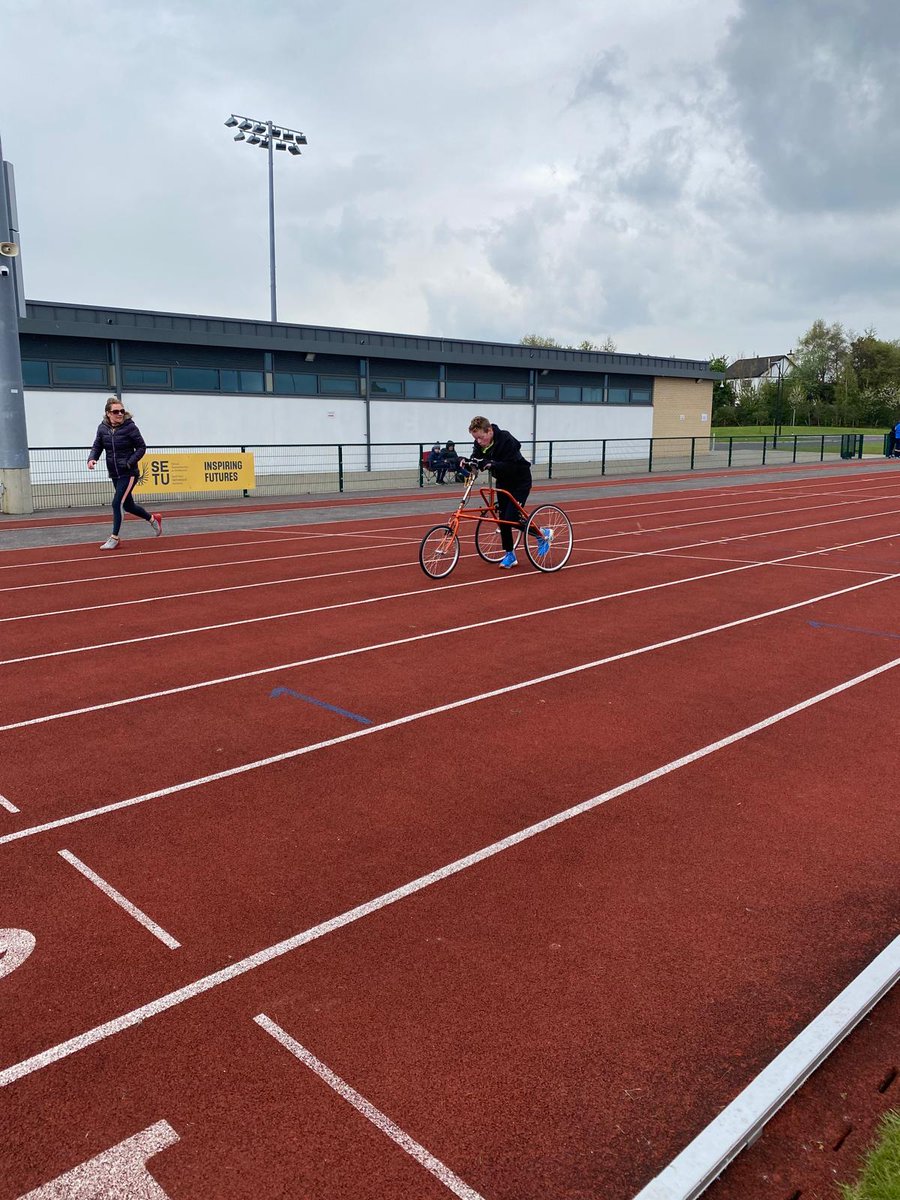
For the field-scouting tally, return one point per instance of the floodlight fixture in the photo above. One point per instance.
(268, 136)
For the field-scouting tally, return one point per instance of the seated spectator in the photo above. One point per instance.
(452, 462)
(434, 459)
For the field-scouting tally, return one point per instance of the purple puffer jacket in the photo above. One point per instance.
(124, 448)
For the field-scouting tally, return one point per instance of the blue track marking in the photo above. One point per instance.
(852, 629)
(286, 691)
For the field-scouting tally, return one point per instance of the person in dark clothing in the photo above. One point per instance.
(452, 462)
(120, 439)
(497, 450)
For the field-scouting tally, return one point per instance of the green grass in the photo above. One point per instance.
(880, 1178)
(788, 430)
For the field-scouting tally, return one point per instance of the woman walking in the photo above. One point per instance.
(118, 435)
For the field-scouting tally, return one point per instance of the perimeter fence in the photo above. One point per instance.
(60, 479)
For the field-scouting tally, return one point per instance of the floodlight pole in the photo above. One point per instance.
(272, 300)
(288, 139)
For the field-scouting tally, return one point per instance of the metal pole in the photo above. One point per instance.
(272, 223)
(15, 481)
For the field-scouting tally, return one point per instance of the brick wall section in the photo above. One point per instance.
(677, 398)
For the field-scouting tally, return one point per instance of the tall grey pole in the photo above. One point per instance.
(272, 224)
(15, 480)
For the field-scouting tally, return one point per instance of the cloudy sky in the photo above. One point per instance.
(687, 177)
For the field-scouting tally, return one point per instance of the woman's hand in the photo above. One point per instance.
(92, 462)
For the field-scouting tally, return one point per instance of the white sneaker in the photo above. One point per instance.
(156, 523)
(111, 543)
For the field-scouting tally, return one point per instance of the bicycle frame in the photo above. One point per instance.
(488, 511)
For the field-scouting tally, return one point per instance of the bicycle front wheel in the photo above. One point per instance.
(550, 530)
(487, 540)
(439, 551)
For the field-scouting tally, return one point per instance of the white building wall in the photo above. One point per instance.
(58, 418)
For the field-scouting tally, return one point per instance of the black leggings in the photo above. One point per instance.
(123, 499)
(507, 511)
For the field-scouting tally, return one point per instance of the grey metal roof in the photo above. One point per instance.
(46, 318)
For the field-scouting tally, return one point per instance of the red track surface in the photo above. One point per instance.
(556, 1019)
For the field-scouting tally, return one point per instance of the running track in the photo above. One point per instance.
(324, 879)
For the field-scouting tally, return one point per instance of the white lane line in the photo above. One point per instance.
(692, 1171)
(406, 541)
(8, 805)
(127, 1020)
(118, 898)
(215, 566)
(621, 557)
(441, 633)
(414, 1149)
(880, 577)
(786, 490)
(300, 751)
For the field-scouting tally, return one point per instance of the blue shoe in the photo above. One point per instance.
(544, 541)
(509, 559)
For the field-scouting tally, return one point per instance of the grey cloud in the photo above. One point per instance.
(353, 247)
(598, 79)
(816, 92)
(516, 247)
(659, 175)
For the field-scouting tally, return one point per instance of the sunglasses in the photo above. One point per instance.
(117, 412)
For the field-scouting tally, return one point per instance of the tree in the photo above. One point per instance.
(550, 343)
(723, 391)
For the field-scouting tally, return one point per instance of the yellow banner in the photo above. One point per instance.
(196, 472)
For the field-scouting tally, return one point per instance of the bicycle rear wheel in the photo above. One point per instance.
(550, 528)
(439, 551)
(487, 540)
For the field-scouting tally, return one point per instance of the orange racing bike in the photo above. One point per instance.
(547, 532)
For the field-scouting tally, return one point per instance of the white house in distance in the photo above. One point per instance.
(746, 373)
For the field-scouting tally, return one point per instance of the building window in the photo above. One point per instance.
(488, 391)
(195, 379)
(387, 387)
(458, 390)
(570, 395)
(422, 389)
(146, 377)
(339, 385)
(515, 391)
(546, 393)
(296, 384)
(241, 381)
(35, 374)
(639, 396)
(592, 395)
(70, 373)
(618, 395)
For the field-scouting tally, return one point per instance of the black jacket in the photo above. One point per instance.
(508, 465)
(124, 448)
